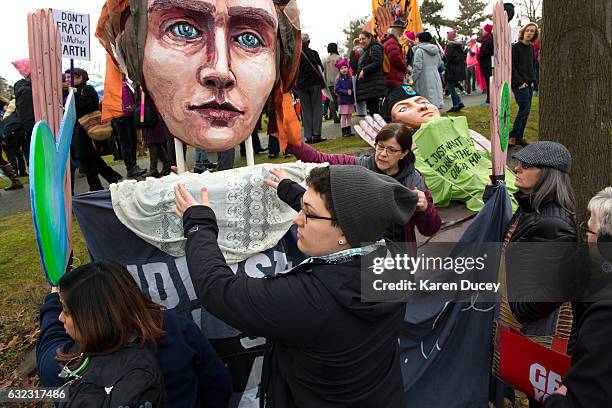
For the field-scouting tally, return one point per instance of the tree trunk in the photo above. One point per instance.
(576, 90)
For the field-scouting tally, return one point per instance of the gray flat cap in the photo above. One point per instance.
(366, 203)
(546, 154)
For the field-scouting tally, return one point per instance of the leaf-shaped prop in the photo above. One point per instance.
(48, 160)
(500, 96)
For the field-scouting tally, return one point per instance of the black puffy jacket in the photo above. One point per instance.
(86, 101)
(24, 105)
(588, 380)
(487, 49)
(455, 62)
(324, 347)
(372, 85)
(550, 224)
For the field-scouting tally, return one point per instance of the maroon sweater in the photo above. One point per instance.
(394, 56)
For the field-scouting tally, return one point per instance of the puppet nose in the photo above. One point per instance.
(218, 81)
(219, 75)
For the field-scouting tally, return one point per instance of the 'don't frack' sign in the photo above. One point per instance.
(74, 33)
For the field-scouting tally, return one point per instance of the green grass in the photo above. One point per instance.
(23, 287)
(478, 119)
(351, 145)
(4, 182)
(22, 282)
(110, 161)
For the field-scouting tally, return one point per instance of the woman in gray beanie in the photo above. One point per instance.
(324, 346)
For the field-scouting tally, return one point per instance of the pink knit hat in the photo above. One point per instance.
(23, 66)
(410, 35)
(487, 28)
(451, 35)
(342, 63)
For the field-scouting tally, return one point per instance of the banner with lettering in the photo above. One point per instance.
(452, 167)
(166, 280)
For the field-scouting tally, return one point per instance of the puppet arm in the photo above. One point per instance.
(308, 154)
(369, 127)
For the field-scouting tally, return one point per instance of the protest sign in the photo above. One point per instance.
(74, 33)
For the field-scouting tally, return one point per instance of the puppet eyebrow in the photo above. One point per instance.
(192, 5)
(253, 13)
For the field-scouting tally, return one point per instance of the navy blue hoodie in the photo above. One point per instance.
(194, 376)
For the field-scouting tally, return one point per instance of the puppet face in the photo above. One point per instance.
(414, 111)
(209, 66)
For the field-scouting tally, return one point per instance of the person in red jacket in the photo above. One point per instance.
(394, 65)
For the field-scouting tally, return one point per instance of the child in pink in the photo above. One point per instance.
(346, 100)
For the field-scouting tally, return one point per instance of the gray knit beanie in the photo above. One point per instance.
(366, 203)
(546, 154)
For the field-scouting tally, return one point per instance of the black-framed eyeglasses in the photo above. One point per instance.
(584, 227)
(390, 150)
(314, 217)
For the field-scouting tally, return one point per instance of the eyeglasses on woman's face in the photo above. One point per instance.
(314, 217)
(390, 151)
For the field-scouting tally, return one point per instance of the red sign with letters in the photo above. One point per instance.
(529, 367)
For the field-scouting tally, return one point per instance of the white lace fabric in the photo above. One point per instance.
(250, 216)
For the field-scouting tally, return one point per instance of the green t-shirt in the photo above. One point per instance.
(451, 165)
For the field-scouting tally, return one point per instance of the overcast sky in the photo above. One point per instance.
(322, 19)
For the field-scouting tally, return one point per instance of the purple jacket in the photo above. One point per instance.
(343, 85)
(127, 99)
(427, 222)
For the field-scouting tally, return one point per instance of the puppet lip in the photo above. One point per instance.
(428, 113)
(215, 111)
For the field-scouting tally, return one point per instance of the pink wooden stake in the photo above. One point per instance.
(46, 62)
(142, 104)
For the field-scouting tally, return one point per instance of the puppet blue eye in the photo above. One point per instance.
(248, 40)
(184, 30)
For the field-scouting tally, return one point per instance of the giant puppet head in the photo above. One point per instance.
(209, 65)
(404, 105)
